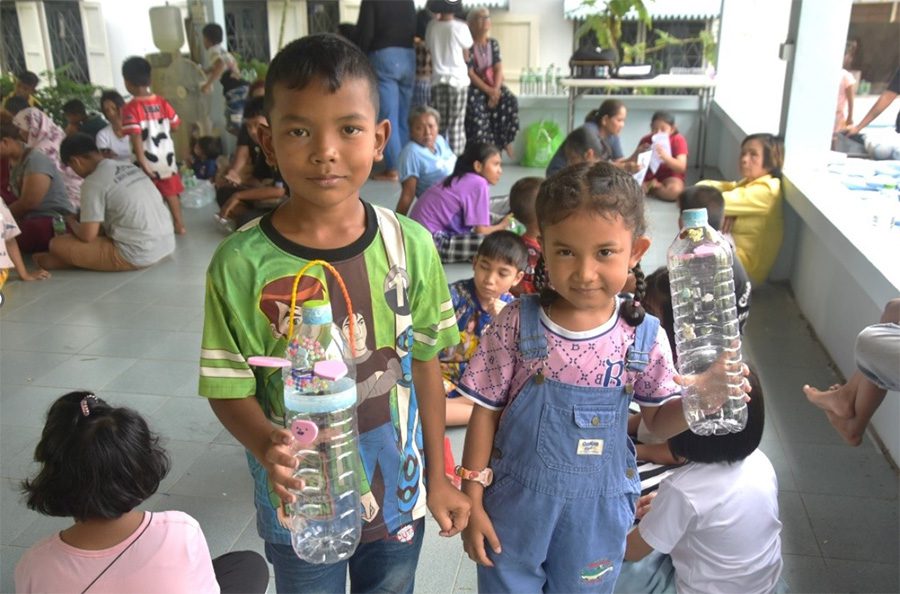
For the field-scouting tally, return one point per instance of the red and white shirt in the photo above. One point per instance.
(154, 119)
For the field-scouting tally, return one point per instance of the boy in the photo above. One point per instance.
(521, 202)
(711, 199)
(242, 199)
(26, 85)
(498, 265)
(323, 135)
(223, 66)
(123, 224)
(79, 120)
(149, 120)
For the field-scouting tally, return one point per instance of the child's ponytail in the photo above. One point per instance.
(475, 151)
(632, 310)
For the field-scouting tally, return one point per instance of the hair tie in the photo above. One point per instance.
(85, 408)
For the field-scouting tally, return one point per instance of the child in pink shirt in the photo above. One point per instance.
(97, 463)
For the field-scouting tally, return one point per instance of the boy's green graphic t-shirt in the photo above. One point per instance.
(248, 298)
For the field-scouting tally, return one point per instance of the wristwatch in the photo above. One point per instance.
(484, 477)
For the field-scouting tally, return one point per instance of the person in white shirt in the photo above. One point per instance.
(714, 521)
(449, 40)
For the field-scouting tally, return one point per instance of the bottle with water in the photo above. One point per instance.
(549, 81)
(320, 401)
(707, 337)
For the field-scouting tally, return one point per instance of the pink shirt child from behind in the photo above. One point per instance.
(167, 553)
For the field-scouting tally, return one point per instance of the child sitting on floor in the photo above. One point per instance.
(522, 196)
(97, 464)
(666, 181)
(10, 256)
(499, 265)
(714, 523)
(205, 152)
(456, 211)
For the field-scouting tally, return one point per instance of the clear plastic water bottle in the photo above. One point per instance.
(549, 81)
(559, 88)
(320, 401)
(707, 337)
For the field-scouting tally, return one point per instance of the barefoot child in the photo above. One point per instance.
(10, 256)
(324, 136)
(850, 406)
(498, 266)
(150, 120)
(562, 373)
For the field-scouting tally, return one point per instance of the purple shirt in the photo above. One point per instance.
(454, 210)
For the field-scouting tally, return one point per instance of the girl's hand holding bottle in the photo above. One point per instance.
(712, 386)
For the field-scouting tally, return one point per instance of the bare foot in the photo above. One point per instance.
(837, 400)
(846, 428)
(509, 151)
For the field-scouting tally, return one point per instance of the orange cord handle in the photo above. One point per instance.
(340, 281)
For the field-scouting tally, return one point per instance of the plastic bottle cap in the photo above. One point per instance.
(317, 312)
(694, 217)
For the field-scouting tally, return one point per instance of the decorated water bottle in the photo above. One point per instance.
(707, 335)
(320, 401)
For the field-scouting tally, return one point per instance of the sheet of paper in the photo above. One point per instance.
(643, 161)
(661, 139)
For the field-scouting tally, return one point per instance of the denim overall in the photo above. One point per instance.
(566, 480)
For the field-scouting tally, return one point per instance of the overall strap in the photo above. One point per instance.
(638, 356)
(532, 341)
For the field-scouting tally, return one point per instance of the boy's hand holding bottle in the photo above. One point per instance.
(279, 461)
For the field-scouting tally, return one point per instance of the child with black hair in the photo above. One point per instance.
(522, 197)
(223, 67)
(113, 141)
(149, 119)
(97, 464)
(498, 265)
(241, 195)
(206, 151)
(324, 136)
(753, 211)
(26, 85)
(715, 519)
(583, 146)
(562, 371)
(79, 120)
(667, 181)
(457, 211)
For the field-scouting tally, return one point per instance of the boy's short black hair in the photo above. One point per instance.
(99, 465)
(136, 70)
(443, 6)
(706, 197)
(112, 95)
(254, 107)
(324, 56)
(213, 32)
(211, 146)
(29, 78)
(74, 107)
(506, 247)
(730, 448)
(76, 145)
(522, 196)
(14, 104)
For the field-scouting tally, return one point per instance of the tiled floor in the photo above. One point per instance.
(134, 338)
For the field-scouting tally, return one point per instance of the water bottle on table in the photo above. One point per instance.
(707, 336)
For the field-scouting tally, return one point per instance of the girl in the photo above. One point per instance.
(717, 517)
(667, 181)
(426, 159)
(41, 133)
(607, 123)
(205, 151)
(98, 463)
(457, 210)
(583, 146)
(112, 141)
(562, 372)
(492, 112)
(753, 205)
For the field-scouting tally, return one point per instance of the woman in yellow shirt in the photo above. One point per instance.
(753, 204)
